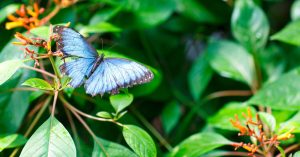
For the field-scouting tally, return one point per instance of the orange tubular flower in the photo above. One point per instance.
(27, 17)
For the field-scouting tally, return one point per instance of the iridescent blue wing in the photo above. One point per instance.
(78, 69)
(71, 43)
(114, 73)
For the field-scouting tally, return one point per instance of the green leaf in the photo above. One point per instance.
(38, 83)
(7, 10)
(170, 116)
(139, 140)
(231, 60)
(102, 27)
(199, 144)
(14, 105)
(222, 118)
(297, 154)
(120, 101)
(295, 11)
(8, 68)
(249, 25)
(104, 14)
(268, 119)
(289, 34)
(293, 123)
(50, 139)
(42, 32)
(112, 149)
(104, 114)
(199, 76)
(194, 10)
(11, 141)
(282, 94)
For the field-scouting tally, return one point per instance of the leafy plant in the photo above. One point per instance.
(226, 79)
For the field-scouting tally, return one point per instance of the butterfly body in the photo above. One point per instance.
(98, 74)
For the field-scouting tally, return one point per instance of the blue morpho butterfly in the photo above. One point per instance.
(98, 74)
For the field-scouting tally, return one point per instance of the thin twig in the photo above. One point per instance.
(90, 131)
(70, 107)
(289, 149)
(73, 128)
(228, 93)
(54, 103)
(39, 70)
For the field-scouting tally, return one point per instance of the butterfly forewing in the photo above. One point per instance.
(72, 43)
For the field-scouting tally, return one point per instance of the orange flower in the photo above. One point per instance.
(27, 17)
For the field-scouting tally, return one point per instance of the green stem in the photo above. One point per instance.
(70, 107)
(54, 67)
(54, 103)
(34, 122)
(163, 141)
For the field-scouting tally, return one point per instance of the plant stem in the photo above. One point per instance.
(70, 107)
(228, 93)
(39, 70)
(289, 149)
(163, 141)
(53, 66)
(90, 131)
(35, 120)
(54, 103)
(50, 15)
(74, 130)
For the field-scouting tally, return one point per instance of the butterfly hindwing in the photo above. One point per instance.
(72, 43)
(114, 73)
(78, 70)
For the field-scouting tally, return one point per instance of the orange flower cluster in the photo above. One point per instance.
(27, 17)
(260, 133)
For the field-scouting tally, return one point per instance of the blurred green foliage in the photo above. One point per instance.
(212, 60)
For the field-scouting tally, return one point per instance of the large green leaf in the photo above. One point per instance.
(293, 123)
(199, 144)
(268, 119)
(112, 149)
(38, 83)
(222, 118)
(295, 11)
(8, 68)
(139, 140)
(249, 25)
(11, 141)
(289, 34)
(145, 13)
(282, 94)
(199, 76)
(7, 10)
(231, 60)
(13, 105)
(170, 116)
(194, 10)
(120, 101)
(102, 27)
(50, 139)
(104, 14)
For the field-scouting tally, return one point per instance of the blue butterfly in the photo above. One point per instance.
(98, 74)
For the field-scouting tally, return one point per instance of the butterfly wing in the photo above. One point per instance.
(78, 70)
(72, 43)
(114, 73)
